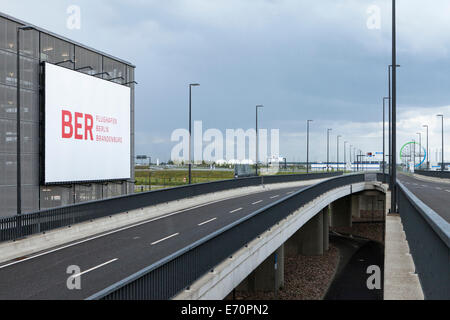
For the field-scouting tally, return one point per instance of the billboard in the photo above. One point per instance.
(87, 127)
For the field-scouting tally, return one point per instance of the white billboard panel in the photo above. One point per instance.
(87, 127)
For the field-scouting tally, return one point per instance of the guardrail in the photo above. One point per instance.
(169, 276)
(434, 174)
(428, 236)
(19, 226)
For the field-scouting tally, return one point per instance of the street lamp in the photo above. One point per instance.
(257, 107)
(420, 144)
(384, 134)
(442, 164)
(18, 141)
(328, 148)
(190, 128)
(307, 145)
(428, 163)
(337, 155)
(351, 146)
(393, 101)
(345, 155)
(390, 119)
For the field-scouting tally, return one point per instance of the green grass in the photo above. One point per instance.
(180, 177)
(171, 178)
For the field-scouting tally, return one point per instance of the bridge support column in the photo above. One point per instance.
(309, 239)
(326, 227)
(356, 208)
(341, 212)
(269, 276)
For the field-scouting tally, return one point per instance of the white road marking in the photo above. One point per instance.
(89, 270)
(275, 196)
(447, 190)
(171, 236)
(257, 202)
(289, 192)
(424, 185)
(438, 188)
(236, 210)
(200, 224)
(114, 231)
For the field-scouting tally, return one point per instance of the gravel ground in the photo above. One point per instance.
(305, 278)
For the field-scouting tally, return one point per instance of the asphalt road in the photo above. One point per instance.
(436, 195)
(112, 257)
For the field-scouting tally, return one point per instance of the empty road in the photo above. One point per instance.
(109, 258)
(436, 195)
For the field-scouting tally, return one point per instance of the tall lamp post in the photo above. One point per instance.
(394, 112)
(18, 141)
(351, 146)
(345, 155)
(257, 107)
(442, 164)
(390, 114)
(428, 163)
(337, 155)
(420, 144)
(190, 128)
(328, 149)
(384, 134)
(307, 145)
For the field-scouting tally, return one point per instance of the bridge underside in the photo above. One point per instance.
(260, 266)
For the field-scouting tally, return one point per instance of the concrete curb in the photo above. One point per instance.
(400, 280)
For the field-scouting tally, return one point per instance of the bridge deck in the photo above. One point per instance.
(435, 195)
(110, 258)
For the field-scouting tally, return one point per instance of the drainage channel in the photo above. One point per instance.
(360, 269)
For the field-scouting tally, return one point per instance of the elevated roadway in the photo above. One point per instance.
(109, 258)
(434, 194)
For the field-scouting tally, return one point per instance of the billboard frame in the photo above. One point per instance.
(42, 143)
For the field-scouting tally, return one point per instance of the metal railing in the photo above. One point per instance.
(434, 174)
(428, 236)
(19, 226)
(169, 276)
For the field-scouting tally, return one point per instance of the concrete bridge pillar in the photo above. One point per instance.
(269, 276)
(326, 227)
(341, 212)
(309, 239)
(356, 199)
(373, 201)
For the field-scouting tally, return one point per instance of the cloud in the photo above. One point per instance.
(301, 59)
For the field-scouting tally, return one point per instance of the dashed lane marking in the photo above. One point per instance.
(166, 238)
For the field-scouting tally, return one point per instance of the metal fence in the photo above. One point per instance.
(428, 236)
(167, 277)
(435, 174)
(19, 226)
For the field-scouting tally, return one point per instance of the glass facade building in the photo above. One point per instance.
(37, 46)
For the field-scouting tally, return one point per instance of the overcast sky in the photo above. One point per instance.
(302, 59)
